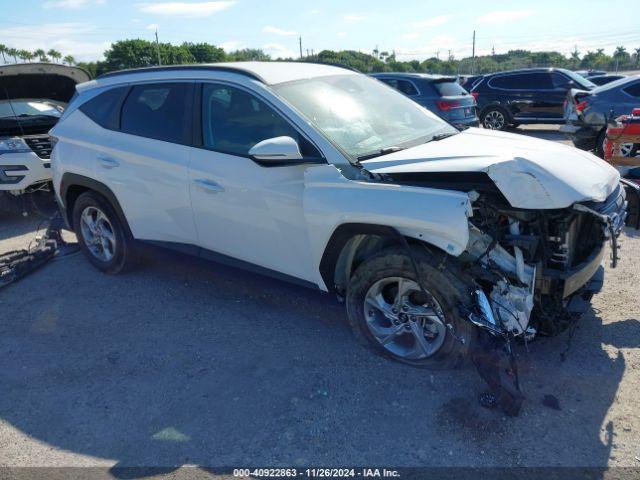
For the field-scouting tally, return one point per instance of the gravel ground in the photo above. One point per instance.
(182, 362)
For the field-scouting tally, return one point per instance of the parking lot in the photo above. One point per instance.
(182, 363)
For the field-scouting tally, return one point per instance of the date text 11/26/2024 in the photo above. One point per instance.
(315, 472)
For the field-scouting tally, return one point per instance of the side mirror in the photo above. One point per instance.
(276, 150)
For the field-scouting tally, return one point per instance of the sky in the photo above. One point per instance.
(414, 29)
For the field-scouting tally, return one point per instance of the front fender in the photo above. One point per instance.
(438, 217)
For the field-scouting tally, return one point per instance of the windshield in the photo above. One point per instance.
(29, 108)
(579, 79)
(361, 115)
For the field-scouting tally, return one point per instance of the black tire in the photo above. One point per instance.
(444, 283)
(123, 253)
(486, 118)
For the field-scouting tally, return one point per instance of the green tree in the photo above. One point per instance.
(24, 55)
(205, 52)
(637, 57)
(54, 54)
(41, 54)
(12, 52)
(3, 50)
(69, 60)
(248, 54)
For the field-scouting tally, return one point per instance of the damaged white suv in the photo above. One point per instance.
(328, 178)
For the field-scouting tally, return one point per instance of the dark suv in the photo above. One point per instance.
(441, 94)
(525, 96)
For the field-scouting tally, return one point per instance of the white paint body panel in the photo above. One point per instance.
(531, 173)
(34, 171)
(438, 217)
(251, 213)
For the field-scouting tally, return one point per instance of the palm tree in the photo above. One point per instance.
(41, 54)
(12, 52)
(69, 59)
(3, 50)
(24, 55)
(54, 54)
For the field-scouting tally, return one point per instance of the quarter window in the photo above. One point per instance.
(233, 121)
(104, 108)
(633, 90)
(158, 111)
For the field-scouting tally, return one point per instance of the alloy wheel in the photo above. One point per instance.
(494, 120)
(404, 319)
(98, 234)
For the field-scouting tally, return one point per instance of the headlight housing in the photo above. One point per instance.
(13, 145)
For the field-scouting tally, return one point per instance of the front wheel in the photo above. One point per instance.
(392, 314)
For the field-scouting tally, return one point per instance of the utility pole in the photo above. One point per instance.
(158, 48)
(473, 54)
(300, 41)
(438, 54)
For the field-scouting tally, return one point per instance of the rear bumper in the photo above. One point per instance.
(583, 136)
(466, 122)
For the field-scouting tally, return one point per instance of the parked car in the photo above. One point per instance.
(588, 112)
(525, 96)
(32, 99)
(441, 94)
(590, 73)
(322, 176)
(600, 80)
(469, 81)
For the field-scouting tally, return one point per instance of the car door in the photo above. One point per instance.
(243, 209)
(147, 160)
(559, 86)
(508, 91)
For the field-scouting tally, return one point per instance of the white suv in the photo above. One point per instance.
(328, 178)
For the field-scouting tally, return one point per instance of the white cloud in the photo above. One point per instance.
(355, 17)
(64, 37)
(185, 10)
(152, 26)
(438, 45)
(279, 31)
(277, 50)
(232, 45)
(314, 11)
(501, 16)
(431, 22)
(341, 34)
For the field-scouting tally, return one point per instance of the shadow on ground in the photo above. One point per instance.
(186, 363)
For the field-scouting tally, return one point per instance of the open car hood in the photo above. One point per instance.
(531, 173)
(40, 80)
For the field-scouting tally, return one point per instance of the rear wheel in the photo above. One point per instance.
(390, 312)
(103, 238)
(494, 118)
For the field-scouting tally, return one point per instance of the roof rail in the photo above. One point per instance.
(220, 68)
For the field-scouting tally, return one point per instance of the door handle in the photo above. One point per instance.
(208, 185)
(108, 162)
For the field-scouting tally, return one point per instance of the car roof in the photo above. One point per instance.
(270, 73)
(409, 75)
(527, 70)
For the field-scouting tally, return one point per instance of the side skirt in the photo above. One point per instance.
(194, 250)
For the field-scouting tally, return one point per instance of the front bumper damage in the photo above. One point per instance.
(534, 272)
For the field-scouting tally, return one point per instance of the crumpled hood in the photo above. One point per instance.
(531, 173)
(40, 80)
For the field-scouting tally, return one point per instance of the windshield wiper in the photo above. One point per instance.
(382, 151)
(441, 136)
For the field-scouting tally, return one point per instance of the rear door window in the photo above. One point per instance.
(160, 111)
(403, 86)
(449, 89)
(523, 81)
(104, 108)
